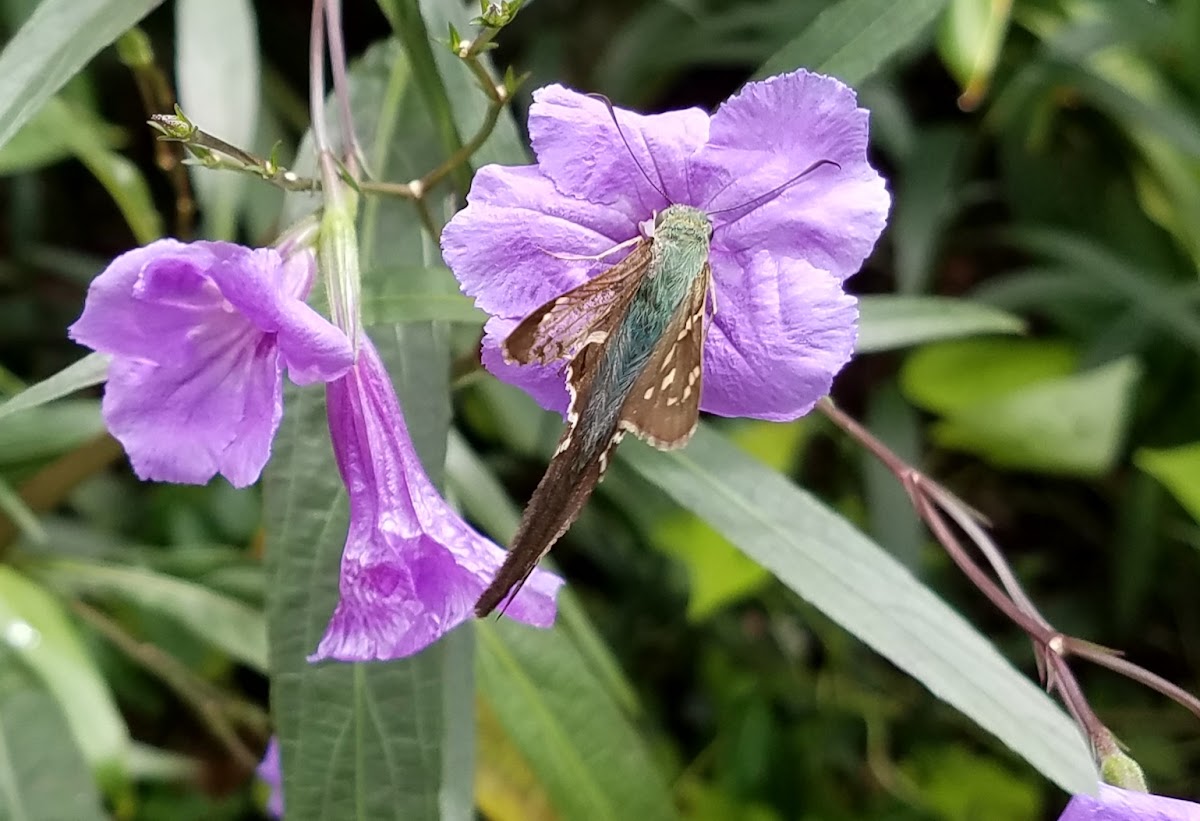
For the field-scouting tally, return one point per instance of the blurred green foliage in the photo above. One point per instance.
(1045, 161)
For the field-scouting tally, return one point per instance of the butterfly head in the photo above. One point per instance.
(683, 223)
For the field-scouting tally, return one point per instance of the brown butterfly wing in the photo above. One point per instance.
(663, 407)
(558, 329)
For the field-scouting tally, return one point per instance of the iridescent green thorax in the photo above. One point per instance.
(679, 254)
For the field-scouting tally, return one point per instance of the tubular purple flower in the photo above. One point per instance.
(199, 334)
(411, 568)
(271, 774)
(783, 327)
(1116, 804)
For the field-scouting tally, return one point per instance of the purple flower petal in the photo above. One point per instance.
(782, 330)
(580, 149)
(502, 246)
(1116, 804)
(255, 283)
(270, 771)
(411, 568)
(215, 414)
(199, 334)
(143, 304)
(772, 131)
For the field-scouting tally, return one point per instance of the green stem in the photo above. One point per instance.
(410, 28)
(457, 160)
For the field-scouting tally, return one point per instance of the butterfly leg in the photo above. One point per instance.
(594, 257)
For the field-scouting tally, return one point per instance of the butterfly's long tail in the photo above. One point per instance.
(570, 478)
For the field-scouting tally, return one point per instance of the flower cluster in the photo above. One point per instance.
(199, 335)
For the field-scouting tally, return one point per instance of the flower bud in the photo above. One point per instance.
(337, 252)
(1120, 770)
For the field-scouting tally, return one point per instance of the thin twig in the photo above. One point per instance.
(316, 78)
(175, 675)
(157, 97)
(351, 149)
(1051, 647)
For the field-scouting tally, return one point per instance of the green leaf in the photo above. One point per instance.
(890, 322)
(718, 573)
(1178, 469)
(55, 429)
(1073, 425)
(83, 134)
(853, 38)
(929, 199)
(42, 773)
(969, 42)
(380, 740)
(950, 376)
(892, 522)
(14, 507)
(417, 294)
(89, 371)
(958, 785)
(586, 753)
(487, 503)
(229, 624)
(57, 41)
(217, 71)
(39, 632)
(38, 144)
(1150, 290)
(820, 556)
(358, 740)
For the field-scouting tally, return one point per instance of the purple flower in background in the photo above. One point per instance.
(271, 774)
(783, 326)
(412, 568)
(1116, 804)
(199, 334)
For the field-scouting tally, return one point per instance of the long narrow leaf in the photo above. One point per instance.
(56, 42)
(823, 558)
(853, 38)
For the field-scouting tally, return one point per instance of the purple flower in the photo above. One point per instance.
(1116, 804)
(270, 773)
(783, 326)
(199, 334)
(411, 569)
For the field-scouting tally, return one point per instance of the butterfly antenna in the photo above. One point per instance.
(612, 112)
(756, 201)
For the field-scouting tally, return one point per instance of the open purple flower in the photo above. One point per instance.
(270, 773)
(199, 334)
(412, 568)
(1116, 804)
(783, 326)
